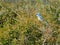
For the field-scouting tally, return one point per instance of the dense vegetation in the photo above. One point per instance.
(20, 26)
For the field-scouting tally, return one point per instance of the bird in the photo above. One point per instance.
(40, 18)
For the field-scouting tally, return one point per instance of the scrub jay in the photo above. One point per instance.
(40, 18)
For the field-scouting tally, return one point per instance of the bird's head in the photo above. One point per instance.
(38, 14)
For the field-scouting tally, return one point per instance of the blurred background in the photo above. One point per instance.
(19, 24)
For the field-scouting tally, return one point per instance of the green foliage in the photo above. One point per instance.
(19, 25)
